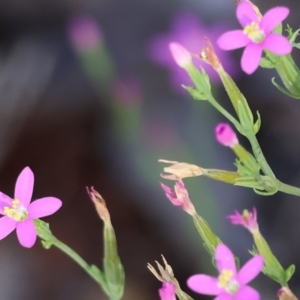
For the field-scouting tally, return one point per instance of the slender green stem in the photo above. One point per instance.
(288, 189)
(81, 262)
(259, 154)
(223, 111)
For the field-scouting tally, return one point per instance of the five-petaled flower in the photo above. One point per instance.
(230, 284)
(256, 35)
(19, 213)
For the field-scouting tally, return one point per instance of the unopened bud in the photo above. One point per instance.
(181, 56)
(225, 135)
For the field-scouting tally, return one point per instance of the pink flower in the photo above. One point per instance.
(230, 284)
(167, 292)
(19, 213)
(84, 33)
(247, 219)
(188, 30)
(179, 197)
(225, 135)
(256, 35)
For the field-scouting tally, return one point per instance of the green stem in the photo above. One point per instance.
(288, 189)
(224, 112)
(259, 154)
(82, 263)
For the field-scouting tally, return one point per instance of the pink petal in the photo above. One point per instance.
(43, 207)
(247, 293)
(7, 225)
(224, 296)
(251, 57)
(4, 201)
(224, 258)
(277, 44)
(246, 14)
(204, 284)
(233, 40)
(273, 17)
(24, 186)
(26, 233)
(250, 270)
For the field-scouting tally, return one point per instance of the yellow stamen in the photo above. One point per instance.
(16, 212)
(254, 32)
(224, 278)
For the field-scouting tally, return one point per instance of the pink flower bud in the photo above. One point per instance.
(167, 292)
(181, 56)
(225, 135)
(84, 33)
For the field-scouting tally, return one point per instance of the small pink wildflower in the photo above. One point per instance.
(256, 35)
(225, 135)
(230, 284)
(246, 219)
(179, 196)
(181, 56)
(19, 213)
(167, 292)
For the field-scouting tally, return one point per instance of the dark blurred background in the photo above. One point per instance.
(89, 96)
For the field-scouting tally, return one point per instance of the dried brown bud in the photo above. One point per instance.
(99, 202)
(208, 54)
(165, 274)
(180, 170)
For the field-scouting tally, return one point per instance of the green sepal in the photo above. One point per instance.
(44, 233)
(289, 272)
(292, 36)
(267, 63)
(278, 29)
(196, 94)
(257, 124)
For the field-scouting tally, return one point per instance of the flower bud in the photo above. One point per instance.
(181, 56)
(225, 135)
(85, 34)
(167, 292)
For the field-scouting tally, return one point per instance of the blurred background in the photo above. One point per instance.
(90, 96)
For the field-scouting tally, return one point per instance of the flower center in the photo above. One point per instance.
(254, 33)
(226, 282)
(16, 212)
